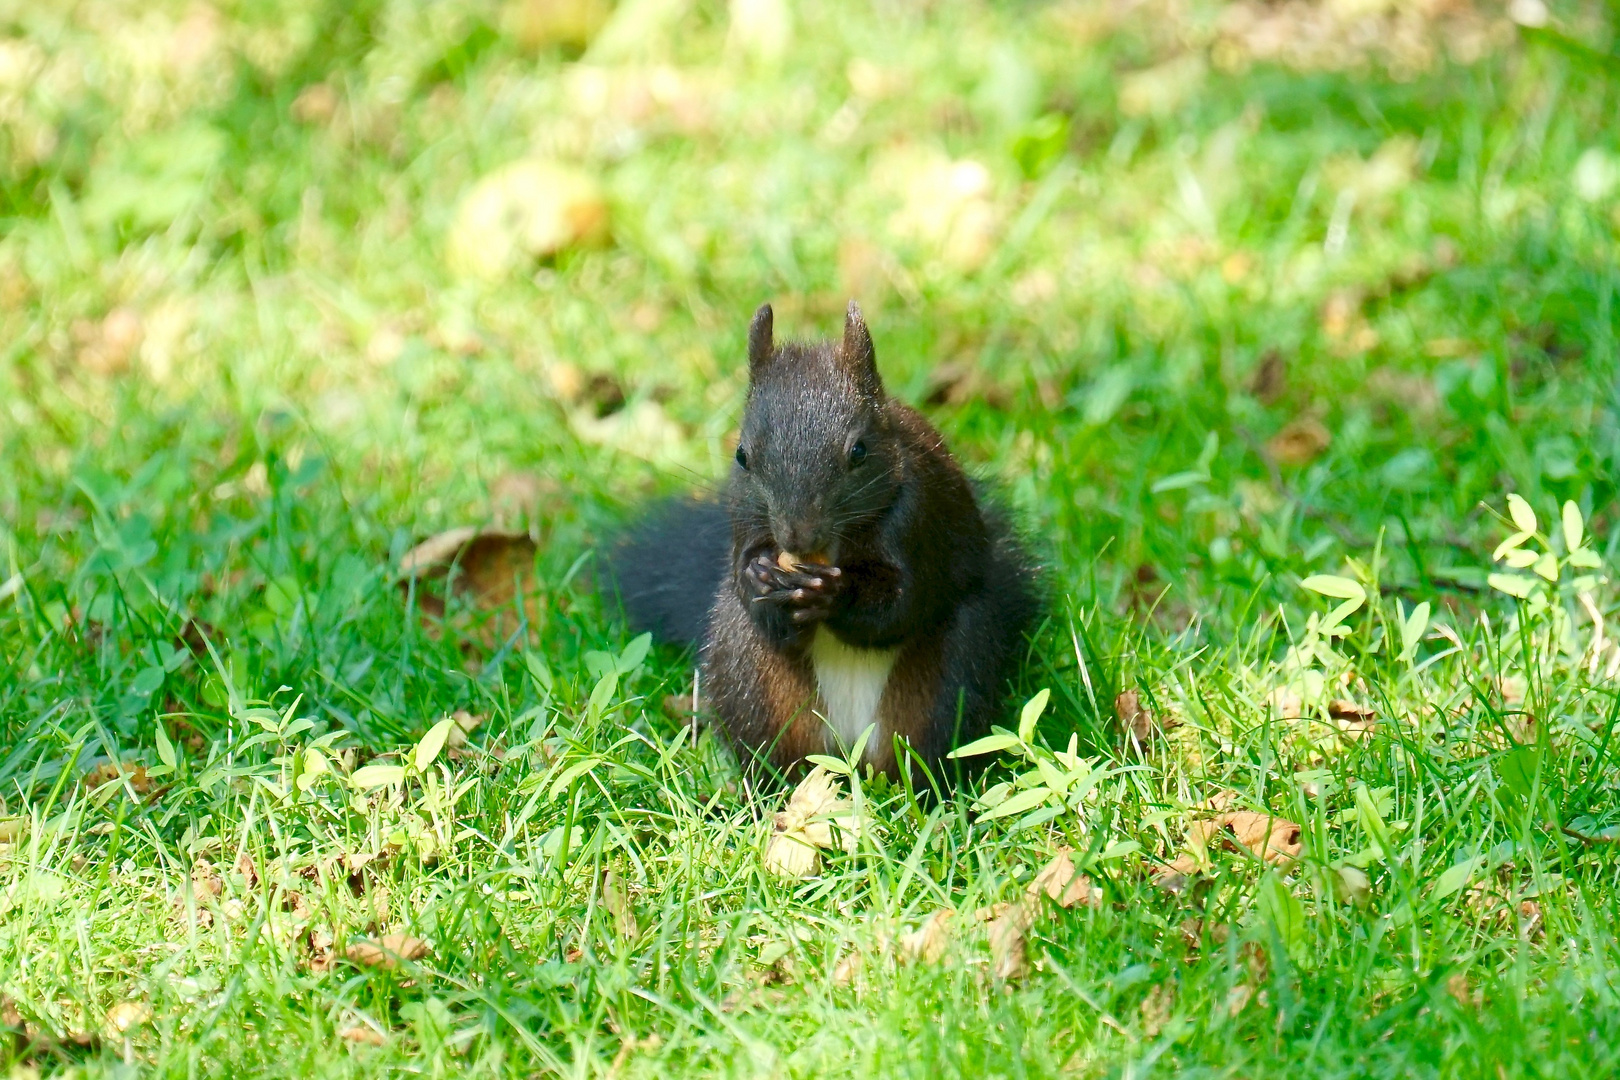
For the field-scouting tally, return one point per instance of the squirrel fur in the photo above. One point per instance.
(900, 601)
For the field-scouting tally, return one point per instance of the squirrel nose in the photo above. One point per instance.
(796, 537)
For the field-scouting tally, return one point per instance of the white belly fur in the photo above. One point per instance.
(851, 682)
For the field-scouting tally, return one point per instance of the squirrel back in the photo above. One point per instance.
(850, 578)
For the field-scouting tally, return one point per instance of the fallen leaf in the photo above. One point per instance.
(204, 881)
(1134, 717)
(1193, 930)
(126, 1015)
(109, 772)
(1059, 880)
(525, 210)
(488, 568)
(1176, 875)
(106, 348)
(1273, 839)
(12, 828)
(1270, 378)
(1529, 920)
(366, 1036)
(1156, 1008)
(1009, 950)
(1300, 441)
(1237, 999)
(386, 953)
(315, 104)
(1355, 721)
(322, 952)
(519, 496)
(542, 24)
(466, 724)
(929, 941)
(644, 430)
(957, 382)
(848, 969)
(1457, 986)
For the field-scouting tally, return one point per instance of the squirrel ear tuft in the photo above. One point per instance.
(856, 351)
(761, 346)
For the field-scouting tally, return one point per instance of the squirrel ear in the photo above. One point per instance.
(760, 344)
(856, 351)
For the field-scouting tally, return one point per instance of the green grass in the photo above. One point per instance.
(239, 379)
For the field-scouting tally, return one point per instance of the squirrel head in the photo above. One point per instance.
(818, 455)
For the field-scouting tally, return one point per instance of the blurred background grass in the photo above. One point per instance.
(457, 246)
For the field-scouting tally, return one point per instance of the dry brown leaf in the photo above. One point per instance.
(1254, 956)
(848, 969)
(1156, 1008)
(316, 104)
(1354, 720)
(246, 867)
(1529, 920)
(204, 881)
(466, 724)
(126, 1015)
(1273, 839)
(1218, 801)
(322, 951)
(929, 941)
(518, 496)
(1059, 880)
(1270, 379)
(108, 772)
(388, 952)
(364, 1035)
(1237, 999)
(1009, 949)
(1134, 718)
(12, 828)
(1300, 441)
(487, 568)
(524, 210)
(1192, 933)
(542, 24)
(106, 348)
(1176, 875)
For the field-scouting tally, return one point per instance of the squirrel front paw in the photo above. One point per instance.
(806, 592)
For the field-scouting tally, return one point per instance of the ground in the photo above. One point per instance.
(1254, 315)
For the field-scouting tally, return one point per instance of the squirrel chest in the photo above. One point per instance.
(850, 682)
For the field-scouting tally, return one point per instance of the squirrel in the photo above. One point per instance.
(849, 576)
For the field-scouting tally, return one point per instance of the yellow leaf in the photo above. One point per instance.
(1520, 512)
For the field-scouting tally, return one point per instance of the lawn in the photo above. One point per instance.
(1286, 331)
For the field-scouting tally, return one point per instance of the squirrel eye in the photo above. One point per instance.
(857, 453)
(742, 457)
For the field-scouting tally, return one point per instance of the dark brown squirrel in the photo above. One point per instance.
(850, 577)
